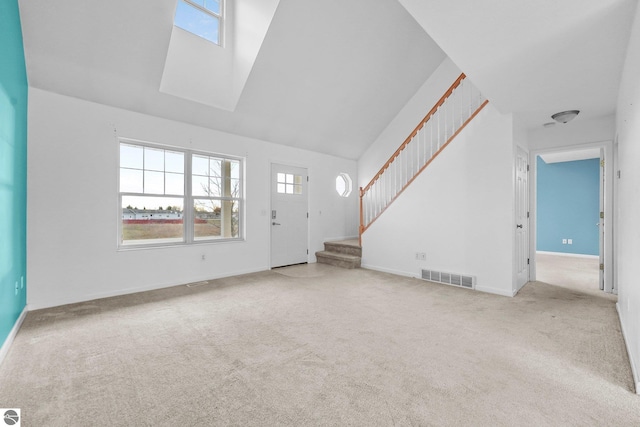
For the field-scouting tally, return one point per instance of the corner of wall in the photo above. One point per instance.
(4, 349)
(13, 173)
(628, 205)
(625, 337)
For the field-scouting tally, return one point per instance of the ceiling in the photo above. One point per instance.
(331, 75)
(324, 81)
(535, 58)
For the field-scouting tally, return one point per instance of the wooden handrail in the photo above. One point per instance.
(415, 131)
(363, 227)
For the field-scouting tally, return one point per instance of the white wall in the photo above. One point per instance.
(406, 120)
(72, 203)
(628, 237)
(575, 132)
(459, 211)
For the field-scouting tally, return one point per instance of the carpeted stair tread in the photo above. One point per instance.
(337, 255)
(344, 254)
(349, 247)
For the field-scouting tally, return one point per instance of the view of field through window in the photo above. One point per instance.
(153, 196)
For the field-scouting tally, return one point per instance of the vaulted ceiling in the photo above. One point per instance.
(330, 76)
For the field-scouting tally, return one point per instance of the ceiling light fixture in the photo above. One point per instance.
(565, 116)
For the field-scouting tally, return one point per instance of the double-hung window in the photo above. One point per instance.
(216, 190)
(171, 196)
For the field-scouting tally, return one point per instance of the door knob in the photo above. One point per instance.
(275, 223)
(519, 226)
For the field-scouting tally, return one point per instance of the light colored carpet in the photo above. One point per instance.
(304, 270)
(347, 347)
(571, 272)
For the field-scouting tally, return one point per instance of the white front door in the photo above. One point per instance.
(522, 218)
(289, 215)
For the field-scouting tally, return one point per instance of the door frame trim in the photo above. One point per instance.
(293, 165)
(609, 284)
(516, 287)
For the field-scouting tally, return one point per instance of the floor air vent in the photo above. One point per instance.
(460, 280)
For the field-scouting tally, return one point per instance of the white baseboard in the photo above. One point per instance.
(38, 305)
(4, 350)
(496, 291)
(515, 291)
(485, 289)
(568, 254)
(388, 270)
(634, 371)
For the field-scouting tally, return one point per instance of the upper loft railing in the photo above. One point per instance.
(457, 107)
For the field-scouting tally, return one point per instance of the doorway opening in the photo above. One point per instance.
(571, 208)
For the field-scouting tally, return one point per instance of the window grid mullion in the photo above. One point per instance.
(205, 10)
(188, 197)
(175, 196)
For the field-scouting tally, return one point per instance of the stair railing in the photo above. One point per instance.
(455, 109)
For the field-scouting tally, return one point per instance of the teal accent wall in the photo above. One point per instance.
(13, 169)
(568, 206)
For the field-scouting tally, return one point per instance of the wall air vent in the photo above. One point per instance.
(459, 280)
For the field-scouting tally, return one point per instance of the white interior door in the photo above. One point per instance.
(600, 222)
(289, 215)
(522, 218)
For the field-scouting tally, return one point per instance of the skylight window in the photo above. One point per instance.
(200, 17)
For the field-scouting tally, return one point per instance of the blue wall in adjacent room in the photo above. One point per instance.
(13, 169)
(568, 206)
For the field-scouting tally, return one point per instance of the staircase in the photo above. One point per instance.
(455, 109)
(344, 254)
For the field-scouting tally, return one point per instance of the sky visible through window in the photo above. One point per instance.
(153, 171)
(203, 21)
(157, 171)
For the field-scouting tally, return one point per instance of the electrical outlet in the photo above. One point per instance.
(570, 241)
(203, 257)
(421, 256)
(564, 241)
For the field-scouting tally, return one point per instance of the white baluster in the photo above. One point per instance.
(417, 158)
(445, 121)
(439, 128)
(423, 159)
(400, 159)
(452, 112)
(431, 137)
